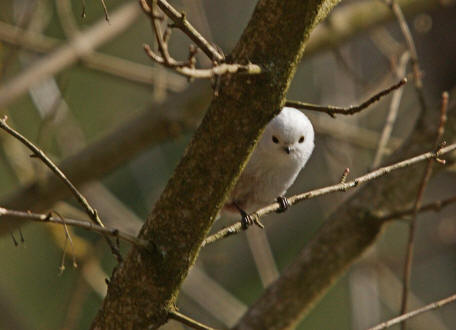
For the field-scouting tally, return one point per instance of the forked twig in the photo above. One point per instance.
(189, 71)
(38, 153)
(181, 22)
(39, 217)
(333, 110)
(186, 68)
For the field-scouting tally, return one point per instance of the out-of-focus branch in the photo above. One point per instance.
(80, 46)
(333, 110)
(417, 206)
(352, 133)
(392, 114)
(66, 17)
(404, 317)
(102, 156)
(48, 218)
(353, 19)
(347, 22)
(433, 206)
(417, 74)
(343, 186)
(98, 61)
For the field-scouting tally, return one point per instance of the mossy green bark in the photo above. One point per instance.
(145, 286)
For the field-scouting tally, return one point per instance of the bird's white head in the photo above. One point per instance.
(289, 136)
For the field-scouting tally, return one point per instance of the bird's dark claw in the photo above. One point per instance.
(284, 204)
(246, 220)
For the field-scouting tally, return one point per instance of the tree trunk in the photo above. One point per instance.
(144, 287)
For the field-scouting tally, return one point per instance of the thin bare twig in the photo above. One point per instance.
(105, 9)
(161, 37)
(67, 239)
(433, 206)
(417, 74)
(237, 227)
(333, 110)
(66, 17)
(414, 313)
(24, 20)
(392, 114)
(38, 153)
(40, 217)
(181, 22)
(93, 215)
(188, 321)
(185, 68)
(197, 11)
(91, 163)
(344, 175)
(418, 202)
(217, 70)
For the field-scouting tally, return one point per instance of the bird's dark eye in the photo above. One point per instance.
(275, 139)
(301, 139)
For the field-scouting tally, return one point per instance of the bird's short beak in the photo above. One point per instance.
(288, 149)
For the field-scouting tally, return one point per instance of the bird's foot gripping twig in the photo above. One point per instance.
(284, 204)
(247, 219)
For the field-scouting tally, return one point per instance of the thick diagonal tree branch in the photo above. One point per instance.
(143, 289)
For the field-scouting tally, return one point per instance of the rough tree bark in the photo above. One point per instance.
(144, 287)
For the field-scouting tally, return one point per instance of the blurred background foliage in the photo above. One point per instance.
(90, 104)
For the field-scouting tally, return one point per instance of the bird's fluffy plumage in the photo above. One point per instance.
(279, 156)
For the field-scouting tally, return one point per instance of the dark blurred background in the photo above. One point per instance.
(82, 103)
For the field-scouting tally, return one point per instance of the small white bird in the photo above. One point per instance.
(284, 149)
